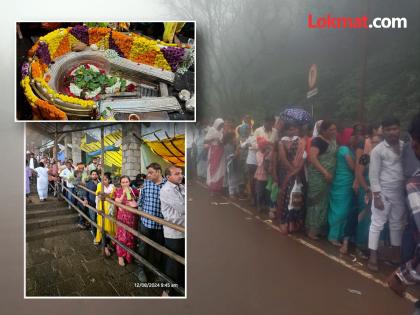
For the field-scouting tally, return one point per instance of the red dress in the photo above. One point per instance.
(129, 219)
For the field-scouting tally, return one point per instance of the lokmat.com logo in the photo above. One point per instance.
(329, 21)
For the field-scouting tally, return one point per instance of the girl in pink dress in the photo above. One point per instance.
(127, 196)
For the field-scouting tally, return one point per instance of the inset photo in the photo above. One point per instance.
(124, 71)
(105, 210)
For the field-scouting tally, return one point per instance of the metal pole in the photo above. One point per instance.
(361, 111)
(55, 153)
(102, 188)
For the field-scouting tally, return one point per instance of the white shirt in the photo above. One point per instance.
(385, 169)
(67, 174)
(172, 200)
(251, 142)
(31, 164)
(271, 136)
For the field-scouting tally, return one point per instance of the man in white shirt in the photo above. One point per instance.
(387, 186)
(267, 130)
(68, 176)
(172, 199)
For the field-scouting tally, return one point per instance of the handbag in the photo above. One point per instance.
(296, 197)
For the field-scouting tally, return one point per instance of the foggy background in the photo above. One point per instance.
(254, 57)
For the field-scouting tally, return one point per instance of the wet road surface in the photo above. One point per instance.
(244, 266)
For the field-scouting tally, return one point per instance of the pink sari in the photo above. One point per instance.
(129, 219)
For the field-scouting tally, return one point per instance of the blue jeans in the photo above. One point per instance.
(69, 196)
(92, 215)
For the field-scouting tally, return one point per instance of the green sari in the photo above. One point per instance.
(318, 192)
(341, 196)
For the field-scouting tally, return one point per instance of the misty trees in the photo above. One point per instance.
(254, 56)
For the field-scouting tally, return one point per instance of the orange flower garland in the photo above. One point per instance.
(36, 69)
(60, 42)
(63, 48)
(44, 109)
(124, 42)
(97, 33)
(49, 111)
(33, 49)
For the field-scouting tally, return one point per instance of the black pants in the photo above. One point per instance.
(251, 180)
(261, 195)
(151, 254)
(174, 269)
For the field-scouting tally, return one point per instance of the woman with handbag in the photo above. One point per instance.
(108, 208)
(127, 196)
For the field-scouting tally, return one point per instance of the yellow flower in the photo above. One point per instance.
(65, 98)
(53, 39)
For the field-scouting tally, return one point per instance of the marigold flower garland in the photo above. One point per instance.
(60, 42)
(46, 109)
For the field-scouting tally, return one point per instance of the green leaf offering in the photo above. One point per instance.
(128, 195)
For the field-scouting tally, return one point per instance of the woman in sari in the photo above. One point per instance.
(360, 217)
(341, 193)
(28, 175)
(234, 177)
(216, 161)
(128, 197)
(291, 173)
(320, 175)
(108, 208)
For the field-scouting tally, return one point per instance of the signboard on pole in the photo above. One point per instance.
(313, 71)
(312, 76)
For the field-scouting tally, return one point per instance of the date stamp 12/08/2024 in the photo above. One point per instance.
(155, 285)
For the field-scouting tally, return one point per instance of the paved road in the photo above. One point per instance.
(247, 267)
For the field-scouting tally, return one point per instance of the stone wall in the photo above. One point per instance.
(131, 161)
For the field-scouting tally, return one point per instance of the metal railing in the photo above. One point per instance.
(141, 237)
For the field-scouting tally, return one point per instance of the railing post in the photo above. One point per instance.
(102, 190)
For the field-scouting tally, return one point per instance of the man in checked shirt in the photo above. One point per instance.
(409, 273)
(149, 202)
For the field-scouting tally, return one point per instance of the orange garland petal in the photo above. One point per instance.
(124, 42)
(97, 33)
(63, 48)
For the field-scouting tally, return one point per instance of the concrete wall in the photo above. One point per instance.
(131, 162)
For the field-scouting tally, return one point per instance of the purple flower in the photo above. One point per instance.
(114, 46)
(43, 53)
(81, 32)
(25, 69)
(173, 56)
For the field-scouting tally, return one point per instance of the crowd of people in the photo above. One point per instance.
(161, 194)
(357, 186)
